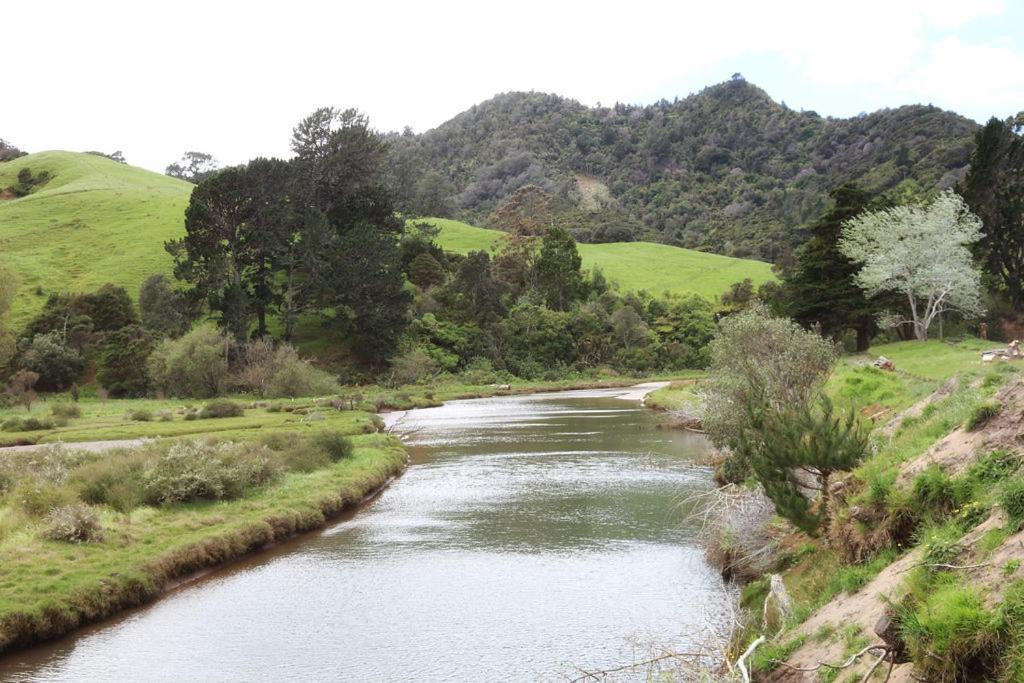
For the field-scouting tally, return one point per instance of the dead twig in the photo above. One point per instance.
(741, 663)
(598, 674)
(845, 665)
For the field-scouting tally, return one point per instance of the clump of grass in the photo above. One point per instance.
(995, 466)
(115, 480)
(951, 635)
(65, 411)
(334, 445)
(851, 578)
(140, 415)
(767, 657)
(936, 492)
(221, 408)
(982, 413)
(73, 523)
(1011, 567)
(1012, 500)
(36, 497)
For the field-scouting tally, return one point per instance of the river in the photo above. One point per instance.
(531, 535)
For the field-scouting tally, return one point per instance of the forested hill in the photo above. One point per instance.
(727, 170)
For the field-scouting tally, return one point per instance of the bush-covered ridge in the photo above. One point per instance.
(727, 169)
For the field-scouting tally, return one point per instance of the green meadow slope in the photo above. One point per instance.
(634, 265)
(95, 221)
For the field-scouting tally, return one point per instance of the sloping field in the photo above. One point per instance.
(634, 265)
(95, 221)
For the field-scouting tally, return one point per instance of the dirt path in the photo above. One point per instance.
(91, 446)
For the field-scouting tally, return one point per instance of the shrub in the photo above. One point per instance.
(335, 445)
(981, 414)
(221, 408)
(194, 366)
(278, 371)
(21, 388)
(114, 480)
(37, 497)
(1012, 500)
(74, 523)
(65, 410)
(412, 367)
(27, 424)
(757, 356)
(57, 365)
(140, 415)
(207, 470)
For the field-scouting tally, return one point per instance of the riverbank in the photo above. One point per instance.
(48, 588)
(59, 420)
(918, 574)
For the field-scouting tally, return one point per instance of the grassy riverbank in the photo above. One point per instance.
(351, 411)
(49, 587)
(925, 531)
(278, 476)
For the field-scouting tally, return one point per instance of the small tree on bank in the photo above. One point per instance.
(919, 252)
(794, 451)
(756, 356)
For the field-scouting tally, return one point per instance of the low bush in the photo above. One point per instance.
(38, 497)
(221, 408)
(982, 413)
(27, 424)
(140, 415)
(65, 411)
(74, 523)
(115, 480)
(334, 445)
(207, 470)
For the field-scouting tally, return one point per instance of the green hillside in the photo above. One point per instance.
(634, 265)
(95, 221)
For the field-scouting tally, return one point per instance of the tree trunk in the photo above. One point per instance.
(863, 338)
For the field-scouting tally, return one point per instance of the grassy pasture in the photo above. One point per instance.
(654, 267)
(95, 221)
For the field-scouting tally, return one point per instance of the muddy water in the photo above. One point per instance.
(530, 535)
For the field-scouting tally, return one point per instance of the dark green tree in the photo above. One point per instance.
(821, 289)
(557, 270)
(795, 450)
(474, 294)
(163, 310)
(57, 365)
(994, 190)
(122, 363)
(209, 256)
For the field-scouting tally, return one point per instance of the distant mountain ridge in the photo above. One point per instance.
(727, 169)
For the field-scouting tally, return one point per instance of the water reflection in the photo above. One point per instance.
(531, 533)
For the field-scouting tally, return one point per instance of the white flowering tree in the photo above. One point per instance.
(921, 252)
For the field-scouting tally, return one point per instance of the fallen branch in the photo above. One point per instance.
(741, 663)
(598, 674)
(845, 665)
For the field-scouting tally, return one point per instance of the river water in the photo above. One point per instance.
(530, 536)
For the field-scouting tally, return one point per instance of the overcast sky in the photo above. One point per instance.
(156, 79)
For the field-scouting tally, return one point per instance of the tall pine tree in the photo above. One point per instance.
(994, 190)
(821, 289)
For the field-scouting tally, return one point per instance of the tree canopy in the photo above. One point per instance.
(920, 252)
